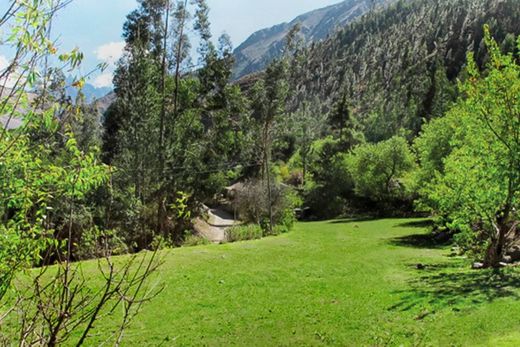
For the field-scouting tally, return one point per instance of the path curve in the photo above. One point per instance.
(214, 227)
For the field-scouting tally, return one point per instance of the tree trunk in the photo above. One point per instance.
(267, 159)
(497, 248)
(304, 164)
(160, 202)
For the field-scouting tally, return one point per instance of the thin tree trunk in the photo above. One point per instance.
(160, 203)
(178, 56)
(267, 159)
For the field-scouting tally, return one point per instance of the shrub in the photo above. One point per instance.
(244, 232)
(252, 204)
(330, 185)
(378, 169)
(195, 240)
(96, 243)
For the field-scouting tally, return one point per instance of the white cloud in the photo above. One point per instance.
(110, 52)
(103, 80)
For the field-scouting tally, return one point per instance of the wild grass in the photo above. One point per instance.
(342, 283)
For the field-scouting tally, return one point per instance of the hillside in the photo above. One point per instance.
(399, 66)
(264, 45)
(103, 103)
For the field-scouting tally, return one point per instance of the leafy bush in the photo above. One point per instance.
(379, 170)
(252, 204)
(195, 240)
(477, 187)
(96, 243)
(330, 185)
(244, 233)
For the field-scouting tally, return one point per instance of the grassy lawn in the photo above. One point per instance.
(329, 283)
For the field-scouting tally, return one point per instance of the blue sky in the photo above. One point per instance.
(95, 26)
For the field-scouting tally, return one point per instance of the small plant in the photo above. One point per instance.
(195, 240)
(244, 232)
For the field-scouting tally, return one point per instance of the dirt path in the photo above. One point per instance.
(214, 228)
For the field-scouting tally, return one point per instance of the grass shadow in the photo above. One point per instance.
(453, 286)
(428, 241)
(450, 284)
(426, 223)
(354, 220)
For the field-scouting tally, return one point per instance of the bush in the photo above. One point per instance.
(252, 204)
(378, 170)
(244, 233)
(96, 243)
(330, 185)
(195, 240)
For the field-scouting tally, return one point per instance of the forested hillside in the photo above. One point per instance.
(400, 66)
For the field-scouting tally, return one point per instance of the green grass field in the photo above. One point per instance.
(344, 283)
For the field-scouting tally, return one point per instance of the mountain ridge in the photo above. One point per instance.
(261, 47)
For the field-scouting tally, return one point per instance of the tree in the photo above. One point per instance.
(268, 104)
(307, 125)
(378, 169)
(479, 184)
(45, 176)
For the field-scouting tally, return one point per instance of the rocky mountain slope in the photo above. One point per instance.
(264, 45)
(400, 66)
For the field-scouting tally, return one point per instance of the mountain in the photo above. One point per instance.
(399, 67)
(103, 103)
(263, 46)
(90, 92)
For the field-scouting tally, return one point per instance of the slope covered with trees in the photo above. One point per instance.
(399, 66)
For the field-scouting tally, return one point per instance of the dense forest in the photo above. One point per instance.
(410, 110)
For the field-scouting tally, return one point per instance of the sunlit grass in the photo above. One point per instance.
(345, 283)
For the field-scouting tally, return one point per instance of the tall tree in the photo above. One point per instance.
(477, 183)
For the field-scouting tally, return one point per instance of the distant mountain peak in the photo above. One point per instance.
(259, 49)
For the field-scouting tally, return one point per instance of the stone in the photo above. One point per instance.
(507, 259)
(477, 266)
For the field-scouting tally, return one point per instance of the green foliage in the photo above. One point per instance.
(195, 240)
(34, 185)
(252, 204)
(170, 130)
(385, 73)
(330, 184)
(95, 243)
(244, 233)
(475, 167)
(378, 169)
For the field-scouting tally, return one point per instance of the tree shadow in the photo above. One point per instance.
(426, 223)
(453, 286)
(450, 284)
(354, 220)
(420, 241)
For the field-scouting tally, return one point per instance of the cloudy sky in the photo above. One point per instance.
(95, 25)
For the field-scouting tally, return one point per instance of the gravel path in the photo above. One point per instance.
(214, 228)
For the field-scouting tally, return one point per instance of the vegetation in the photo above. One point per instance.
(340, 283)
(46, 175)
(244, 233)
(407, 110)
(477, 185)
